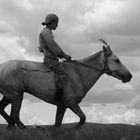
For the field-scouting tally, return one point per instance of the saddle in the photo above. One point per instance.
(34, 66)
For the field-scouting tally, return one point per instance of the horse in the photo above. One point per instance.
(19, 76)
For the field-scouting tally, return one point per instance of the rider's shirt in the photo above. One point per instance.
(47, 42)
(51, 51)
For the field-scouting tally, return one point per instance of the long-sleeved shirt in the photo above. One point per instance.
(47, 42)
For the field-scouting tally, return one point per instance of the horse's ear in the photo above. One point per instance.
(104, 49)
(107, 50)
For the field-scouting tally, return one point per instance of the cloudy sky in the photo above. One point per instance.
(82, 23)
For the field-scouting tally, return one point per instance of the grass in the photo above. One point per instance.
(89, 131)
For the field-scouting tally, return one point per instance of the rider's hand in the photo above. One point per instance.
(41, 49)
(67, 57)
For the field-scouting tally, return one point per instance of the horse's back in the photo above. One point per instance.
(34, 66)
(13, 65)
(16, 66)
(31, 65)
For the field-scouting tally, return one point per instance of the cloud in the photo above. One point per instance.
(69, 120)
(108, 91)
(115, 24)
(78, 29)
(26, 116)
(131, 62)
(88, 21)
(31, 119)
(109, 97)
(11, 48)
(136, 83)
(32, 98)
(126, 86)
(82, 23)
(95, 115)
(128, 117)
(114, 17)
(135, 103)
(103, 13)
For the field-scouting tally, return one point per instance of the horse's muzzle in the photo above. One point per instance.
(127, 78)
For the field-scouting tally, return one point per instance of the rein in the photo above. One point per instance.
(92, 67)
(104, 70)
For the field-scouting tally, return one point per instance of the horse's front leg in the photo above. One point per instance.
(59, 115)
(77, 110)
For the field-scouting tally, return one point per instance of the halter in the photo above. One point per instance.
(104, 70)
(106, 67)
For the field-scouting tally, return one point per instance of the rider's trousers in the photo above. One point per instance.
(53, 63)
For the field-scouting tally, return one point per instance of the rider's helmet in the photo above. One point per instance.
(49, 18)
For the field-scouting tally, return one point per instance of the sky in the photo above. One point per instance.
(81, 24)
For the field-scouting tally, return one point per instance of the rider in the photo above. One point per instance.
(51, 49)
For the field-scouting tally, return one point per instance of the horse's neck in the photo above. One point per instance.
(91, 70)
(95, 60)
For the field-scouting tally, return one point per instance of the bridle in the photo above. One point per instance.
(105, 67)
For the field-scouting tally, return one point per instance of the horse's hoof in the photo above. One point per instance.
(10, 127)
(56, 126)
(40, 127)
(22, 127)
(77, 126)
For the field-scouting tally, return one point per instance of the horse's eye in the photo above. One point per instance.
(117, 60)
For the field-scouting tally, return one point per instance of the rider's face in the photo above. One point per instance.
(54, 24)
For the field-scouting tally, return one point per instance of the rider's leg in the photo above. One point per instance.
(60, 78)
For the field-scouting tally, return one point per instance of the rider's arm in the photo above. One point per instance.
(53, 46)
(50, 42)
(63, 55)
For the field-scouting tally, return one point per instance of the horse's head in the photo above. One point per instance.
(113, 65)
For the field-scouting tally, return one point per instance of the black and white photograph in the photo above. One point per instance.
(69, 69)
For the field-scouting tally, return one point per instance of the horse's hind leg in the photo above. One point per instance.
(15, 110)
(77, 110)
(3, 103)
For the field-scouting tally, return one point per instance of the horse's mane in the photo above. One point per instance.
(82, 61)
(94, 56)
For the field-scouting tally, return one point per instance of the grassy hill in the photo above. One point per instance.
(89, 131)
